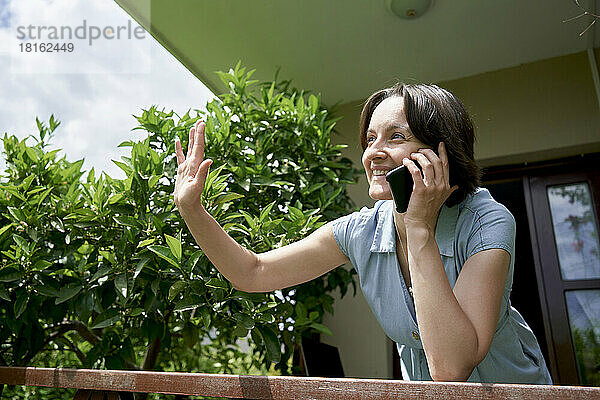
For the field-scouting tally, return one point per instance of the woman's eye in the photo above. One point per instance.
(370, 139)
(398, 135)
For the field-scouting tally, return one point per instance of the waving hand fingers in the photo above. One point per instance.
(192, 169)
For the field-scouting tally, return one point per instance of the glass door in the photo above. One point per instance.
(563, 219)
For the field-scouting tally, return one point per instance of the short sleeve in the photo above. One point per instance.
(352, 231)
(493, 228)
(342, 229)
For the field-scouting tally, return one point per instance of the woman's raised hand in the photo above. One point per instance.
(192, 170)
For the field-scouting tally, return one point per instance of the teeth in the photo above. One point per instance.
(378, 172)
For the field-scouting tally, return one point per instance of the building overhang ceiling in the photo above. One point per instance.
(347, 49)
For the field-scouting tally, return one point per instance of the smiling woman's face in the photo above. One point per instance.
(389, 141)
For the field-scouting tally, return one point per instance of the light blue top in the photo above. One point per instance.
(368, 238)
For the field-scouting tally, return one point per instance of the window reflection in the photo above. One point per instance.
(583, 307)
(575, 231)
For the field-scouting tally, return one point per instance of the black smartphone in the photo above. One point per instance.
(401, 185)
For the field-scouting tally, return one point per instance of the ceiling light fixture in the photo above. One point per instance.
(408, 9)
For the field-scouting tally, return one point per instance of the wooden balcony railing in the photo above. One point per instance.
(101, 384)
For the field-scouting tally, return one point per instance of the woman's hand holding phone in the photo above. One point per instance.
(431, 188)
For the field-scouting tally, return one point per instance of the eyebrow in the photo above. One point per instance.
(393, 126)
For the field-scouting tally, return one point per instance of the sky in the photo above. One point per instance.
(93, 90)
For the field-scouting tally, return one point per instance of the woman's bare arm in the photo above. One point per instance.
(289, 265)
(457, 324)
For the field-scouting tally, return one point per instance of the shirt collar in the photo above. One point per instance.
(384, 240)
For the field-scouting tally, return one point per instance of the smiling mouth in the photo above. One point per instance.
(379, 172)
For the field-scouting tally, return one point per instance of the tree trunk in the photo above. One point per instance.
(149, 363)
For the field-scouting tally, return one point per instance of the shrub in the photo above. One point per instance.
(106, 269)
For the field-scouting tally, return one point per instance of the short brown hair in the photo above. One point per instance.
(434, 115)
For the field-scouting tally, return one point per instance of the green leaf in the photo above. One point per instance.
(245, 320)
(301, 310)
(164, 253)
(296, 213)
(153, 181)
(41, 265)
(51, 155)
(136, 311)
(121, 285)
(106, 319)
(22, 243)
(6, 227)
(176, 288)
(4, 294)
(140, 266)
(188, 303)
(127, 221)
(313, 102)
(217, 284)
(321, 328)
(17, 214)
(21, 304)
(14, 190)
(53, 124)
(240, 331)
(9, 254)
(46, 290)
(108, 256)
(146, 242)
(27, 182)
(67, 293)
(32, 154)
(265, 211)
(43, 196)
(206, 316)
(115, 198)
(228, 197)
(267, 306)
(10, 274)
(249, 219)
(102, 271)
(126, 143)
(126, 168)
(40, 124)
(271, 343)
(174, 245)
(190, 335)
(35, 191)
(256, 297)
(266, 318)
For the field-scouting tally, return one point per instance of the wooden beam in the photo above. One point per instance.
(280, 387)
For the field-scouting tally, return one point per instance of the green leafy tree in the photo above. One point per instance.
(587, 353)
(106, 270)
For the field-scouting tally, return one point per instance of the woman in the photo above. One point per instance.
(437, 277)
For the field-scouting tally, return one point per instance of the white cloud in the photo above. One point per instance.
(83, 25)
(4, 14)
(95, 108)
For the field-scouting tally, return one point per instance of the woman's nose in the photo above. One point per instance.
(376, 150)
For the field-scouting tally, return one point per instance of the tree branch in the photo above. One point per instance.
(59, 331)
(149, 362)
(74, 348)
(78, 327)
(583, 13)
(151, 355)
